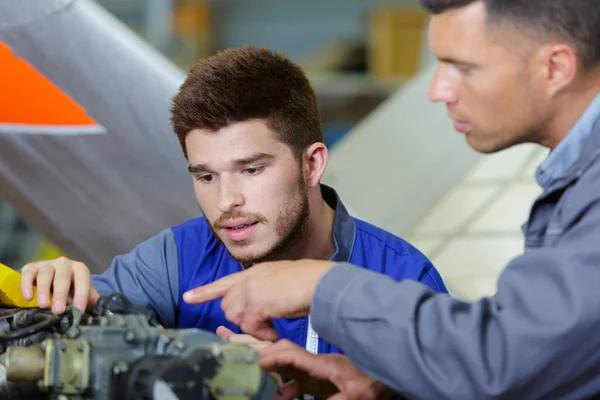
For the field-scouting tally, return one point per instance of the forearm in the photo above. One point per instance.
(432, 346)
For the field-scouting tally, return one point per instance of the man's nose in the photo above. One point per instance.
(442, 88)
(230, 195)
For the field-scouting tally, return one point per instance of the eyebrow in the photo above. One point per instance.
(454, 61)
(240, 162)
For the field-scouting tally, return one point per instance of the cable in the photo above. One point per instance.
(45, 322)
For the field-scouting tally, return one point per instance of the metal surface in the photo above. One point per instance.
(95, 196)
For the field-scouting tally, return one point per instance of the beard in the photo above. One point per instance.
(290, 228)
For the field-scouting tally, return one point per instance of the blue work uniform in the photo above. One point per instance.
(157, 272)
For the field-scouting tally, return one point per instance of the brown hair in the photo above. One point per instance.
(577, 22)
(247, 83)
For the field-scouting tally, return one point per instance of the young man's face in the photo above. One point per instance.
(250, 188)
(493, 88)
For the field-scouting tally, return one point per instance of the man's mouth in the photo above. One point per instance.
(238, 231)
(239, 227)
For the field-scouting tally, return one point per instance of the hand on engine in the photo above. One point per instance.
(59, 278)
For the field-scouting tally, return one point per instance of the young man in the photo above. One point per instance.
(509, 72)
(249, 126)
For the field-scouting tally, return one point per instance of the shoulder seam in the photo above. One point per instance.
(426, 262)
(384, 242)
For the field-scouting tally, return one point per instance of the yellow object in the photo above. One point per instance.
(10, 289)
(47, 251)
(397, 37)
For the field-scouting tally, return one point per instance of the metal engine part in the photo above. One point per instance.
(120, 352)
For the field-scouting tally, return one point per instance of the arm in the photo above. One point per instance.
(538, 335)
(148, 276)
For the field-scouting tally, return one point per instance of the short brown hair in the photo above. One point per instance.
(247, 83)
(575, 21)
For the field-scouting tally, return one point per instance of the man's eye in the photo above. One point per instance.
(253, 170)
(464, 68)
(206, 178)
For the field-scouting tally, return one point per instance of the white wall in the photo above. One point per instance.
(475, 229)
(397, 163)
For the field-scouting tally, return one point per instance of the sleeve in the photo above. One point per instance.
(148, 276)
(537, 336)
(431, 278)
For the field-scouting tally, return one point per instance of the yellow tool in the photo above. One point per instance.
(10, 289)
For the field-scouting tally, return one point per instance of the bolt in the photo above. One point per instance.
(179, 345)
(129, 337)
(120, 367)
(216, 350)
(43, 346)
(124, 367)
(80, 347)
(164, 338)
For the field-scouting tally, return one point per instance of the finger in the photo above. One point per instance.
(83, 284)
(234, 314)
(28, 275)
(43, 282)
(260, 345)
(60, 287)
(277, 378)
(297, 361)
(260, 328)
(213, 290)
(278, 346)
(234, 305)
(93, 298)
(224, 332)
(231, 300)
(290, 391)
(249, 341)
(283, 354)
(243, 339)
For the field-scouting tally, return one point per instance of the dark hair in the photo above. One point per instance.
(247, 83)
(577, 22)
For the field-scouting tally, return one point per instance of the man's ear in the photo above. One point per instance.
(560, 64)
(314, 162)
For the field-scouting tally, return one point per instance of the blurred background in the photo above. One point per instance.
(395, 158)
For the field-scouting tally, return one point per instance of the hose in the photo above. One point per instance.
(44, 321)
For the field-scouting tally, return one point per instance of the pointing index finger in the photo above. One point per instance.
(213, 290)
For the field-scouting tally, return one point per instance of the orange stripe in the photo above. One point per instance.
(27, 97)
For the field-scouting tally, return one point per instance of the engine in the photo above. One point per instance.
(119, 351)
